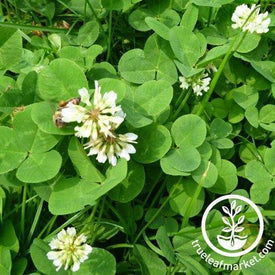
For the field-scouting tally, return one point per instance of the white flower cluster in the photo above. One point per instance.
(69, 250)
(248, 21)
(99, 120)
(199, 83)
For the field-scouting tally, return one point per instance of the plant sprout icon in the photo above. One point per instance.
(234, 241)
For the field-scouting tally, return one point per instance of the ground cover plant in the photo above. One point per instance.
(121, 121)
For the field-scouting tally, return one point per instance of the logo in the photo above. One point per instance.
(230, 242)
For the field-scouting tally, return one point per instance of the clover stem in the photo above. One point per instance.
(221, 67)
(195, 197)
(175, 115)
(85, 11)
(109, 35)
(69, 221)
(174, 188)
(171, 3)
(266, 4)
(35, 221)
(120, 245)
(90, 218)
(31, 28)
(180, 98)
(94, 226)
(23, 211)
(209, 16)
(98, 20)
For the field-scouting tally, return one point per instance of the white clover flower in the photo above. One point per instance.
(257, 22)
(211, 68)
(72, 113)
(185, 83)
(199, 83)
(112, 147)
(99, 117)
(69, 249)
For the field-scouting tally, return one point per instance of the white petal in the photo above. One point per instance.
(110, 98)
(61, 235)
(71, 231)
(131, 136)
(56, 244)
(124, 154)
(130, 149)
(97, 94)
(80, 239)
(73, 113)
(52, 255)
(87, 249)
(75, 266)
(85, 130)
(85, 97)
(101, 157)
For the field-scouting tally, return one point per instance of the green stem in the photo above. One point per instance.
(98, 221)
(85, 11)
(90, 218)
(175, 115)
(209, 16)
(1, 10)
(221, 67)
(7, 9)
(23, 211)
(266, 5)
(35, 221)
(216, 78)
(151, 190)
(194, 198)
(120, 245)
(171, 4)
(156, 213)
(98, 20)
(47, 227)
(18, 207)
(69, 221)
(32, 28)
(109, 35)
(68, 7)
(180, 98)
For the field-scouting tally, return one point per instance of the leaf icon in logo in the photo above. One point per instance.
(225, 210)
(233, 241)
(226, 229)
(239, 229)
(238, 209)
(226, 221)
(240, 220)
(233, 204)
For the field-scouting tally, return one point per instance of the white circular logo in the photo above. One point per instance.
(232, 241)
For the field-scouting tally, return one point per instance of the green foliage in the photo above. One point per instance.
(142, 215)
(10, 48)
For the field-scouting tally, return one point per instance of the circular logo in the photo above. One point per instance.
(233, 239)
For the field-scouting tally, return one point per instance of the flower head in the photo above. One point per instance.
(69, 249)
(112, 147)
(199, 83)
(99, 117)
(250, 19)
(97, 120)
